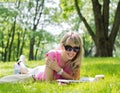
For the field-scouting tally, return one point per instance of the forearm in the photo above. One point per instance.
(49, 74)
(64, 74)
(53, 66)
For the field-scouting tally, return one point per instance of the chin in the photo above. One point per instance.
(70, 58)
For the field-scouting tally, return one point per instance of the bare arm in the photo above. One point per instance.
(52, 65)
(49, 74)
(66, 75)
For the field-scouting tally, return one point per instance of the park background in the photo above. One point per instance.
(33, 27)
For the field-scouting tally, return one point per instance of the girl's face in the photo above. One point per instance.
(70, 49)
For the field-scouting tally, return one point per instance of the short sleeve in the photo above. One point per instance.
(51, 54)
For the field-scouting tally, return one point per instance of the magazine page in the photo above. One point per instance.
(83, 79)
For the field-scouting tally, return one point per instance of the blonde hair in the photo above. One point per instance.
(75, 63)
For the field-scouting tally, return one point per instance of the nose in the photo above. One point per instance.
(72, 51)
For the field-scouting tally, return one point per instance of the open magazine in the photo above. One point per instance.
(83, 79)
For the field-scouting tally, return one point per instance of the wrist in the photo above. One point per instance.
(60, 71)
(57, 69)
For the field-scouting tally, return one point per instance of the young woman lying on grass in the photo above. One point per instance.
(63, 62)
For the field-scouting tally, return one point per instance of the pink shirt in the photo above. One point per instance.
(53, 54)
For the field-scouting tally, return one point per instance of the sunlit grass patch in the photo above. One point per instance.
(109, 67)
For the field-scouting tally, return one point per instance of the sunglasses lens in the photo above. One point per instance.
(76, 49)
(68, 48)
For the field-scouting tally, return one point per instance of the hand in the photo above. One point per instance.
(52, 64)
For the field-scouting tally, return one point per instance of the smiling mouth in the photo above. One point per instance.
(70, 55)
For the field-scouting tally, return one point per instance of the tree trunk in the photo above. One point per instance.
(31, 53)
(18, 44)
(103, 40)
(2, 44)
(23, 42)
(38, 12)
(104, 48)
(11, 43)
(6, 48)
(36, 52)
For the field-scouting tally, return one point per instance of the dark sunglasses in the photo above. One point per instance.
(70, 48)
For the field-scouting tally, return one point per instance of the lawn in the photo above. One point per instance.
(110, 67)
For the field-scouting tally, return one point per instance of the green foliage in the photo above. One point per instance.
(10, 0)
(90, 67)
(54, 14)
(5, 12)
(22, 15)
(30, 5)
(67, 7)
(50, 16)
(88, 45)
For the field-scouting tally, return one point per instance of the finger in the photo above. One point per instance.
(51, 59)
(47, 62)
(48, 59)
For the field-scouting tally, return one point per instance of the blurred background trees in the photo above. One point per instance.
(32, 27)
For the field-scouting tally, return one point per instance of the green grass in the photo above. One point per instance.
(110, 67)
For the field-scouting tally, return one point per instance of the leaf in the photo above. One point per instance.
(5, 12)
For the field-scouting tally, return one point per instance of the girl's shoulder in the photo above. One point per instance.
(53, 53)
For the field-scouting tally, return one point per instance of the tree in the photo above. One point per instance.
(97, 17)
(103, 37)
(7, 16)
(38, 12)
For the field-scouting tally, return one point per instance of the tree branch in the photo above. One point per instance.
(35, 17)
(106, 16)
(39, 15)
(116, 24)
(84, 20)
(98, 17)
